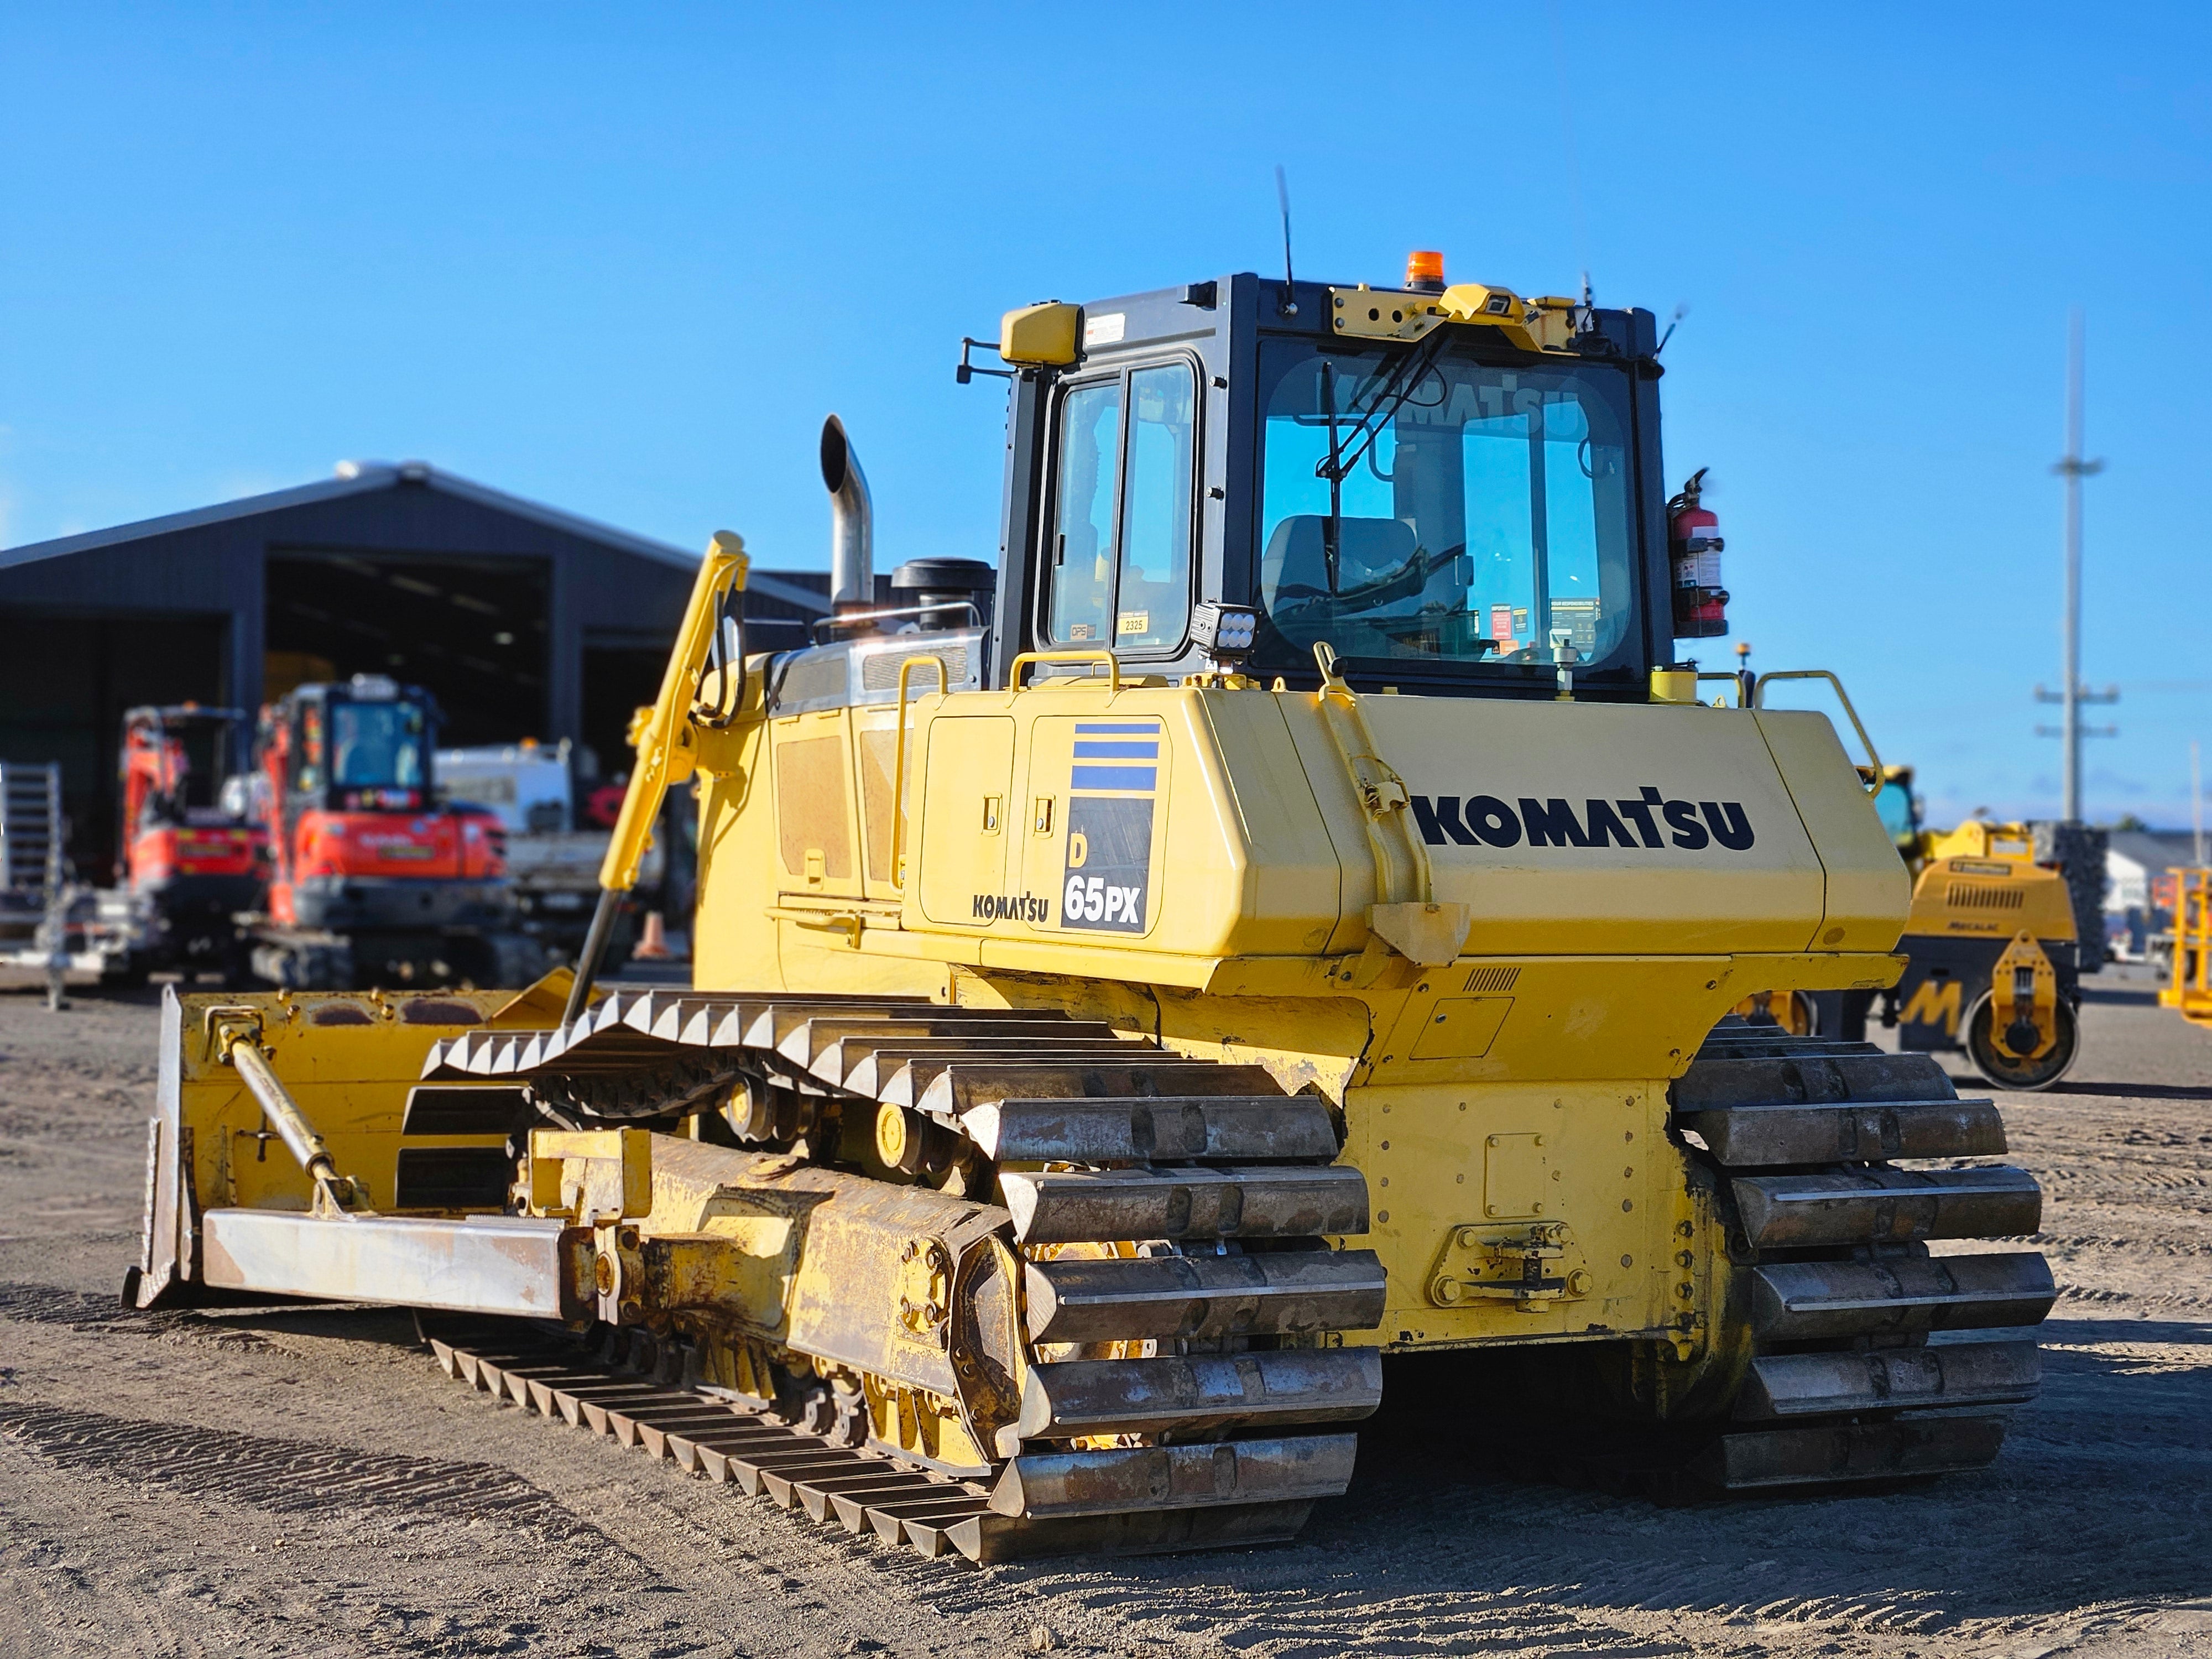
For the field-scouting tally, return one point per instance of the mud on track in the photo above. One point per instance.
(305, 1481)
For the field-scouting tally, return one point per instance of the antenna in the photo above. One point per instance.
(1287, 305)
(1574, 150)
(1681, 310)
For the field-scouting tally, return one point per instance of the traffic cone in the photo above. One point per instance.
(653, 947)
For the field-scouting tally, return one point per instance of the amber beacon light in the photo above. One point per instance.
(1424, 271)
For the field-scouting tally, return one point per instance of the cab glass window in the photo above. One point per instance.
(1152, 601)
(1894, 804)
(377, 745)
(311, 748)
(1121, 552)
(1450, 511)
(1082, 543)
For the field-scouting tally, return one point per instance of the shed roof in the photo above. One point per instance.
(2155, 850)
(364, 477)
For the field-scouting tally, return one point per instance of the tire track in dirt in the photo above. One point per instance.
(280, 1475)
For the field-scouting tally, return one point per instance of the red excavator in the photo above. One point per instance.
(190, 853)
(373, 880)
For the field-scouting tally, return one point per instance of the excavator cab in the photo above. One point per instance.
(189, 860)
(370, 876)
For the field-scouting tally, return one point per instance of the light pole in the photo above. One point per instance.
(2072, 693)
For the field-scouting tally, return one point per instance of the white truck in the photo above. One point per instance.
(552, 857)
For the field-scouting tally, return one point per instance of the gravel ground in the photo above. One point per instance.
(307, 1482)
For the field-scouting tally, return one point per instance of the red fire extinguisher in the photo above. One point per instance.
(1694, 546)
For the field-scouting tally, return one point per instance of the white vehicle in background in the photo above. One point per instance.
(552, 859)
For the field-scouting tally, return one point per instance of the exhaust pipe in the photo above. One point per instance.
(852, 522)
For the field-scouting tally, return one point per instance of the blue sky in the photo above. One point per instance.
(624, 259)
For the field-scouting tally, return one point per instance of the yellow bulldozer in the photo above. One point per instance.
(1283, 918)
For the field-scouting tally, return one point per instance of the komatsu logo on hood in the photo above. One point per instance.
(1647, 820)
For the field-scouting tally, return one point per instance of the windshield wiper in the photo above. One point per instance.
(1340, 462)
(1333, 532)
(1397, 387)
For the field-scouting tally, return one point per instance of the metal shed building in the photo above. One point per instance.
(523, 620)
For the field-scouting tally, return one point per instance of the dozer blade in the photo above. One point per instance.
(1207, 1392)
(1203, 1295)
(1803, 1301)
(1043, 1484)
(1879, 1205)
(1195, 1129)
(1881, 1379)
(478, 1264)
(1078, 1206)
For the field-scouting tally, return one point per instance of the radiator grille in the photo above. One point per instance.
(880, 672)
(1977, 895)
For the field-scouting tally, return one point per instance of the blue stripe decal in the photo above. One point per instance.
(1113, 777)
(1117, 728)
(1118, 750)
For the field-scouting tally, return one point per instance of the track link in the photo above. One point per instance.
(1171, 1214)
(624, 1391)
(1831, 1239)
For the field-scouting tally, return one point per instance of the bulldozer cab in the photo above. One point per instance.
(1457, 492)
(1454, 494)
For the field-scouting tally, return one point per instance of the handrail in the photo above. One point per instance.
(1873, 761)
(898, 761)
(1728, 674)
(1113, 666)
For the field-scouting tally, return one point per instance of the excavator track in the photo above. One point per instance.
(1185, 1385)
(1873, 1358)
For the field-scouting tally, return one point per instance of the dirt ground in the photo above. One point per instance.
(307, 1482)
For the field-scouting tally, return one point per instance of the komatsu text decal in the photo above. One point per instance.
(1113, 782)
(1647, 820)
(1014, 907)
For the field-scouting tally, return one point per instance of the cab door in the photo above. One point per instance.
(1124, 514)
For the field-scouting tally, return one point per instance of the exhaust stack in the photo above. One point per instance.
(852, 522)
